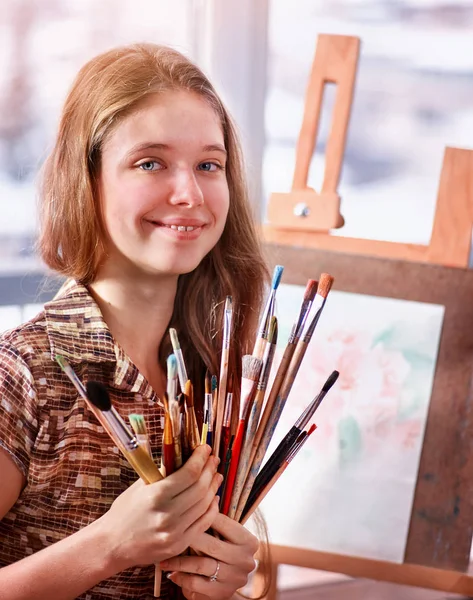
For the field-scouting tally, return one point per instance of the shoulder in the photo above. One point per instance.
(23, 350)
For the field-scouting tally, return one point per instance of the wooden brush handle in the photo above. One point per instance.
(263, 494)
(233, 466)
(245, 455)
(278, 380)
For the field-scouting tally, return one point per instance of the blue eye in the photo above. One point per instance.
(209, 166)
(149, 165)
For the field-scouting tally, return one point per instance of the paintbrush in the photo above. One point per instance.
(176, 431)
(138, 424)
(227, 418)
(251, 369)
(272, 413)
(168, 440)
(214, 391)
(289, 439)
(193, 434)
(226, 467)
(208, 406)
(264, 492)
(137, 456)
(185, 448)
(296, 331)
(222, 389)
(171, 386)
(77, 383)
(205, 426)
(268, 312)
(243, 485)
(181, 365)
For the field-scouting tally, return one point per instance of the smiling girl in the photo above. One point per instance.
(144, 210)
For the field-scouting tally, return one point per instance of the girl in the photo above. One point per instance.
(144, 210)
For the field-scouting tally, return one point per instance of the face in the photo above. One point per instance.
(163, 188)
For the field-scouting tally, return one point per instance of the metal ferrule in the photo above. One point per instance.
(127, 439)
(181, 368)
(267, 362)
(228, 410)
(318, 303)
(309, 411)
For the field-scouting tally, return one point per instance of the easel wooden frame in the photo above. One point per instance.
(440, 532)
(336, 60)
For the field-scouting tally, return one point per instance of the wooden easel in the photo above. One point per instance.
(304, 217)
(438, 546)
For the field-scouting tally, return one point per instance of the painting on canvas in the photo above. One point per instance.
(351, 488)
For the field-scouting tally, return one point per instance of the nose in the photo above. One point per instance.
(185, 189)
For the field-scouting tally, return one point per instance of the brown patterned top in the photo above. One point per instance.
(72, 468)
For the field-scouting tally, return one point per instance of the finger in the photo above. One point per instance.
(241, 557)
(198, 490)
(200, 507)
(188, 474)
(195, 586)
(234, 532)
(203, 523)
(197, 565)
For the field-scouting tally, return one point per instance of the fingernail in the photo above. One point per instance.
(217, 461)
(220, 479)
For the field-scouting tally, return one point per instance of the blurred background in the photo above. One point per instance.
(413, 97)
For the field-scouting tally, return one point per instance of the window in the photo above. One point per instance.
(43, 46)
(412, 98)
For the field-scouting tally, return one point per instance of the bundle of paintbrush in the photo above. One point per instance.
(238, 426)
(242, 442)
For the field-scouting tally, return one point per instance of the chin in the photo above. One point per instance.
(177, 267)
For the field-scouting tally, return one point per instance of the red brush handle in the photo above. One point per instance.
(168, 458)
(224, 447)
(236, 450)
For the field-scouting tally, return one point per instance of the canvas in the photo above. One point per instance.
(351, 488)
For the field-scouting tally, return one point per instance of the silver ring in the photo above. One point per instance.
(214, 576)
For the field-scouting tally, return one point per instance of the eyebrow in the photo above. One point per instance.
(155, 146)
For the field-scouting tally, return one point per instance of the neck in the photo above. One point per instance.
(137, 310)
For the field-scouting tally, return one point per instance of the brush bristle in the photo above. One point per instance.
(189, 393)
(330, 381)
(325, 285)
(61, 361)
(277, 274)
(172, 366)
(138, 424)
(181, 399)
(214, 383)
(97, 393)
(174, 339)
(251, 367)
(311, 430)
(228, 303)
(310, 290)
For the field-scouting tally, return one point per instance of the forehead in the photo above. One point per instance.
(169, 117)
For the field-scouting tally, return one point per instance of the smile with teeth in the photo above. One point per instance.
(180, 227)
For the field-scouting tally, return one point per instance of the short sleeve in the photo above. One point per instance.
(18, 407)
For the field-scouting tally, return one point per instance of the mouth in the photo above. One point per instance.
(180, 231)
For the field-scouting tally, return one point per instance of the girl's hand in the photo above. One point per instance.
(149, 523)
(234, 556)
